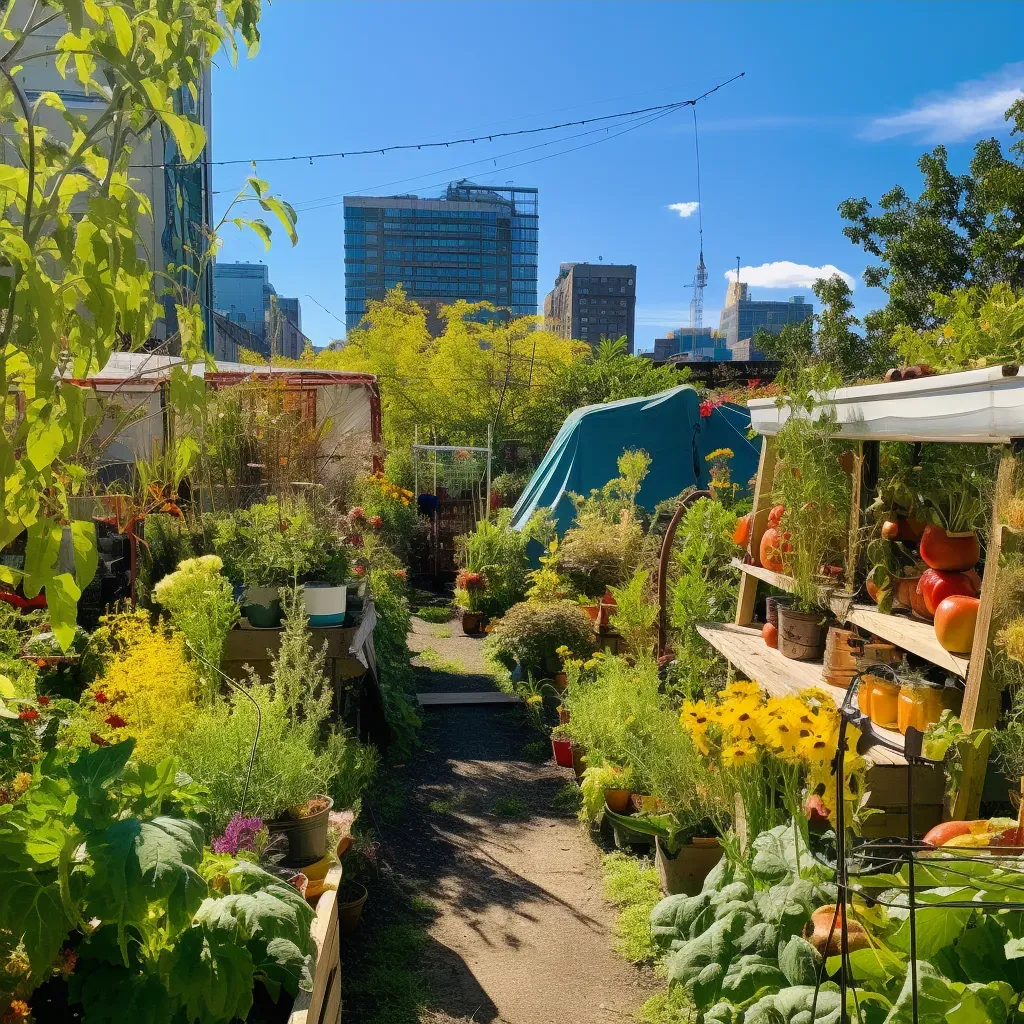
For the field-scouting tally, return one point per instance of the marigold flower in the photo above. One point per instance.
(21, 783)
(19, 1011)
(28, 715)
(100, 697)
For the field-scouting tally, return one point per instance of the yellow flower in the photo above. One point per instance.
(695, 717)
(719, 453)
(21, 783)
(742, 688)
(737, 755)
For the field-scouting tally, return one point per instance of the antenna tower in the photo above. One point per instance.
(700, 277)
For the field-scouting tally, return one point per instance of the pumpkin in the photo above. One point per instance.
(741, 533)
(776, 514)
(942, 834)
(935, 585)
(955, 619)
(952, 552)
(773, 545)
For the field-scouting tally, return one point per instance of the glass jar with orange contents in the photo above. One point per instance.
(864, 694)
(884, 702)
(920, 705)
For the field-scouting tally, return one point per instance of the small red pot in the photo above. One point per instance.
(562, 749)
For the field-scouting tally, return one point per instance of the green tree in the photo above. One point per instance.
(963, 229)
(830, 337)
(78, 284)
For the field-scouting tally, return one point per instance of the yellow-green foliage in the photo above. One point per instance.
(632, 885)
(146, 682)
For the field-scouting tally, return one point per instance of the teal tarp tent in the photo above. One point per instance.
(668, 426)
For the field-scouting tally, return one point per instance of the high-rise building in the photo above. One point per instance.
(476, 242)
(179, 193)
(691, 345)
(591, 301)
(742, 317)
(242, 292)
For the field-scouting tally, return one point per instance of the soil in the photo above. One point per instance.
(520, 932)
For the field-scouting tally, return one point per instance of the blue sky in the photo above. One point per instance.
(838, 100)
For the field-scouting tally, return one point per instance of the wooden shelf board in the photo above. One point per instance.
(743, 647)
(907, 633)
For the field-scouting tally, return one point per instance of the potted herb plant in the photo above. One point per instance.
(561, 746)
(470, 588)
(326, 579)
(305, 827)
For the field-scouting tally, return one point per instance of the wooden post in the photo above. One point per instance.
(762, 506)
(982, 696)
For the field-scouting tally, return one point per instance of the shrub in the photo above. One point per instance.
(146, 690)
(703, 588)
(296, 756)
(529, 634)
(390, 645)
(394, 507)
(497, 552)
(202, 606)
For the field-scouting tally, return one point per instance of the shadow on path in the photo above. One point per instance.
(519, 932)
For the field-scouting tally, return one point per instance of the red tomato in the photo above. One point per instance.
(776, 514)
(941, 551)
(935, 585)
(770, 634)
(955, 619)
(890, 530)
(771, 549)
(741, 534)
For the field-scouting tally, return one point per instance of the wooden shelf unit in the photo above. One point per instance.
(917, 411)
(743, 647)
(911, 635)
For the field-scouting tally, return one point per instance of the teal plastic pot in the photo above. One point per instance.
(325, 604)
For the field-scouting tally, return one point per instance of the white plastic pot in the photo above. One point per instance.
(325, 604)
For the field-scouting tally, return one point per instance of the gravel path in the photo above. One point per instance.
(521, 933)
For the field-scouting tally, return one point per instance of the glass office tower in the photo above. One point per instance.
(477, 242)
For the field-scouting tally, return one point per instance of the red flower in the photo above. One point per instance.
(359, 569)
(376, 522)
(115, 721)
(402, 574)
(100, 697)
(28, 715)
(355, 540)
(99, 740)
(42, 701)
(357, 512)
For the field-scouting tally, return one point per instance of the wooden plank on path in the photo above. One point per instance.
(476, 697)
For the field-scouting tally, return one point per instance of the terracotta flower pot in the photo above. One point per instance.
(618, 800)
(563, 716)
(351, 900)
(560, 681)
(593, 611)
(686, 871)
(472, 623)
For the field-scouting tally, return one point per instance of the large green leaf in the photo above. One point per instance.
(278, 911)
(938, 926)
(211, 978)
(799, 961)
(794, 1004)
(281, 964)
(32, 911)
(940, 1000)
(141, 999)
(83, 536)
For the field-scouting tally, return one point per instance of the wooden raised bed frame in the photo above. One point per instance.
(740, 642)
(323, 1004)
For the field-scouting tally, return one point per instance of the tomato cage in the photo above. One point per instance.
(947, 904)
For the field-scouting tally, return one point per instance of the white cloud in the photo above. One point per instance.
(683, 209)
(784, 274)
(970, 109)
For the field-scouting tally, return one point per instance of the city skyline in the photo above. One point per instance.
(780, 148)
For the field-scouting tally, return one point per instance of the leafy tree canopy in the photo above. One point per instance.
(963, 229)
(521, 379)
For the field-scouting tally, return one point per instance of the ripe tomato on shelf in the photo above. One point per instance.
(955, 619)
(935, 585)
(952, 552)
(776, 514)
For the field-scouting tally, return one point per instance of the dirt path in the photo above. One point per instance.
(520, 933)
